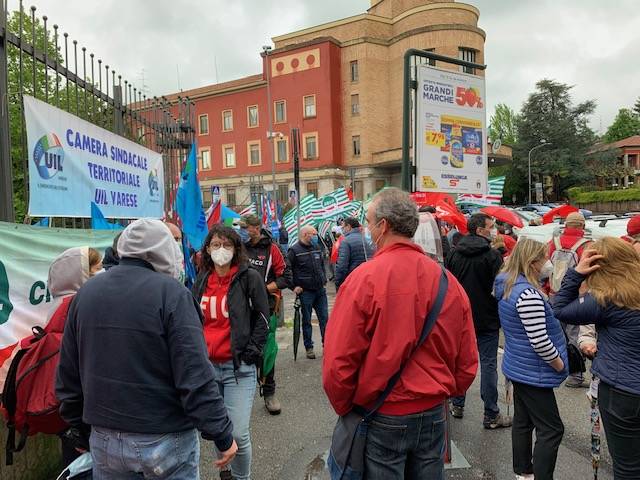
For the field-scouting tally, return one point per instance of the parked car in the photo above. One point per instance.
(535, 207)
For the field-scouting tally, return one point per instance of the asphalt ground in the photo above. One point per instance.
(293, 445)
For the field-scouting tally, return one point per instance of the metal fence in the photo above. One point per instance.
(38, 60)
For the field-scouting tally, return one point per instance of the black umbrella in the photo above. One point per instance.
(296, 326)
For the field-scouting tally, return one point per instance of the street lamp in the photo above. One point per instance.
(543, 143)
(270, 134)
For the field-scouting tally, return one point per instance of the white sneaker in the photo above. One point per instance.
(526, 476)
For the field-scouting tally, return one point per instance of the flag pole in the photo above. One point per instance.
(296, 171)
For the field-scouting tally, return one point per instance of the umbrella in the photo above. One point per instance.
(451, 215)
(595, 427)
(296, 327)
(271, 346)
(562, 211)
(504, 215)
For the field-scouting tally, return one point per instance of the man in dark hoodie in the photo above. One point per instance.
(267, 258)
(134, 365)
(475, 264)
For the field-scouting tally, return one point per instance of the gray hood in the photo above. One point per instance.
(151, 240)
(69, 271)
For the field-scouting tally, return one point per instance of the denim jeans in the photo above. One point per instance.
(620, 412)
(488, 350)
(238, 392)
(316, 300)
(121, 456)
(407, 447)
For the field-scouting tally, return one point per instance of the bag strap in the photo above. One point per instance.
(556, 242)
(579, 243)
(429, 323)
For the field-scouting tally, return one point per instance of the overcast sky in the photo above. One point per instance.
(591, 44)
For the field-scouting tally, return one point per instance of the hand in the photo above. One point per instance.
(583, 289)
(226, 456)
(587, 265)
(557, 364)
(272, 287)
(589, 349)
(297, 290)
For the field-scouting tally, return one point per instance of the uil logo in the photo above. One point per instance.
(5, 304)
(48, 156)
(153, 183)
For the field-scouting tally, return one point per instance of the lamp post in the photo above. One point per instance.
(267, 49)
(543, 143)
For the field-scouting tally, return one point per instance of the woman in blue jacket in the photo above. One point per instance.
(535, 356)
(610, 270)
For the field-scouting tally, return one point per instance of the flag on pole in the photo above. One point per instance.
(335, 204)
(494, 197)
(250, 210)
(98, 222)
(189, 202)
(213, 214)
(308, 205)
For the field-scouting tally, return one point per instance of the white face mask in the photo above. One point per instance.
(493, 232)
(221, 256)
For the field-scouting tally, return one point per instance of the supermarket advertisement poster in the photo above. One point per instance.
(451, 142)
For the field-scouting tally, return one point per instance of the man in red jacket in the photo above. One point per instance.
(375, 325)
(571, 238)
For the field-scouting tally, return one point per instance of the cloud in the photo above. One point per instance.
(587, 43)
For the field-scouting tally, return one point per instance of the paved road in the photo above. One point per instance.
(291, 446)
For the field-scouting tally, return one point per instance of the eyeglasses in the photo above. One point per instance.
(216, 245)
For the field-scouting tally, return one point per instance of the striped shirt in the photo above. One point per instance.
(530, 307)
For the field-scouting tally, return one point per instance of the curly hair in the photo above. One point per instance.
(224, 233)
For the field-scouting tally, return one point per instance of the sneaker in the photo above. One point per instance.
(575, 383)
(272, 404)
(226, 475)
(457, 412)
(500, 421)
(525, 476)
(311, 355)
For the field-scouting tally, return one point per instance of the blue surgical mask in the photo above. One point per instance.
(314, 240)
(244, 235)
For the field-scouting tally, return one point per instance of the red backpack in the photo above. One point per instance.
(29, 396)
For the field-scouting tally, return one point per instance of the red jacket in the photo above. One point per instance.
(375, 324)
(568, 239)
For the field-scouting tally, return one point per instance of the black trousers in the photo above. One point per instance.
(620, 413)
(269, 385)
(535, 407)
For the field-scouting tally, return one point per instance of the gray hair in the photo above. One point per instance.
(398, 209)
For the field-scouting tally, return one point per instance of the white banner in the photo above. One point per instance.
(450, 147)
(73, 163)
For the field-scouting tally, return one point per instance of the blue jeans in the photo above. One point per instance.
(406, 447)
(316, 300)
(488, 350)
(120, 456)
(238, 392)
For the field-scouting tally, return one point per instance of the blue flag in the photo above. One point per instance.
(189, 203)
(189, 267)
(44, 222)
(98, 222)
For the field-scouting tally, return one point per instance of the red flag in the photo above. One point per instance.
(433, 199)
(213, 214)
(452, 215)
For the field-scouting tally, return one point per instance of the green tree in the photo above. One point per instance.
(503, 124)
(626, 124)
(549, 114)
(636, 107)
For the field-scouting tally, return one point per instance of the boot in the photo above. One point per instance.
(272, 404)
(226, 475)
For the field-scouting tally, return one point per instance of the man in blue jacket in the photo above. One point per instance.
(309, 280)
(354, 250)
(134, 365)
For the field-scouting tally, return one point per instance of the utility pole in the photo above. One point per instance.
(266, 49)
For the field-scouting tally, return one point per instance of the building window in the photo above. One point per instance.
(310, 146)
(281, 111)
(355, 75)
(252, 116)
(282, 150)
(227, 120)
(312, 187)
(231, 197)
(468, 55)
(205, 159)
(355, 142)
(203, 123)
(355, 104)
(253, 153)
(309, 106)
(283, 193)
(229, 155)
(380, 184)
(207, 198)
(358, 190)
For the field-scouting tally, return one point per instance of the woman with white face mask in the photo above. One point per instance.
(235, 305)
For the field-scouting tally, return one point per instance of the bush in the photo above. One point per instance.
(577, 195)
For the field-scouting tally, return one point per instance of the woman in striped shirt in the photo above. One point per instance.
(535, 356)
